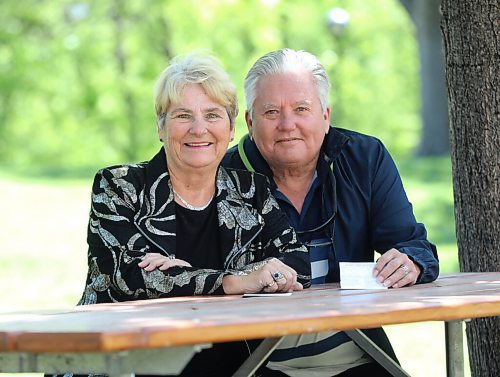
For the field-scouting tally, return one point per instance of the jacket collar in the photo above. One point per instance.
(156, 216)
(333, 144)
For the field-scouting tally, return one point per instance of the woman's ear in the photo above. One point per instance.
(161, 133)
(231, 133)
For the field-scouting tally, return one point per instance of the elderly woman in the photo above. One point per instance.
(181, 225)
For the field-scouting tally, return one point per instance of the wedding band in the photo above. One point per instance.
(405, 269)
(277, 276)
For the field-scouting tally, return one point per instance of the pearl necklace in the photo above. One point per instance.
(190, 206)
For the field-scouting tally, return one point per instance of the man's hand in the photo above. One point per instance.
(395, 270)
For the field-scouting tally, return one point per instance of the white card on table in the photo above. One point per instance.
(358, 275)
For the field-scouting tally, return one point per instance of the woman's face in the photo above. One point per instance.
(196, 132)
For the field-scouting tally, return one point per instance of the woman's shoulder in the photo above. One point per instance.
(120, 176)
(245, 176)
(249, 187)
(123, 170)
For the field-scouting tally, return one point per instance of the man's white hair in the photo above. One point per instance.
(282, 61)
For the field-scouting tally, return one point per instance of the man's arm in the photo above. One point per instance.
(394, 225)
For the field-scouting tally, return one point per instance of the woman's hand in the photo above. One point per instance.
(274, 276)
(394, 269)
(152, 261)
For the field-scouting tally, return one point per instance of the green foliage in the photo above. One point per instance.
(76, 78)
(428, 183)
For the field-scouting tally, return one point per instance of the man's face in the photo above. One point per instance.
(288, 124)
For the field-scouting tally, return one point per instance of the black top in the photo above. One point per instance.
(198, 243)
(198, 237)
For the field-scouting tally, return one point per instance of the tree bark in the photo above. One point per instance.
(118, 15)
(426, 16)
(472, 45)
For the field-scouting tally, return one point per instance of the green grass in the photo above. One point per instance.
(43, 256)
(428, 183)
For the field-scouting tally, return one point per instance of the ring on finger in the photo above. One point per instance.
(405, 269)
(277, 275)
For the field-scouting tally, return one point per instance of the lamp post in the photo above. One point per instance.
(337, 20)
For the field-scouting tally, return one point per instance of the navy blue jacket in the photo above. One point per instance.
(357, 181)
(372, 210)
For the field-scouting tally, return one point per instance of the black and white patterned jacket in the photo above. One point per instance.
(133, 213)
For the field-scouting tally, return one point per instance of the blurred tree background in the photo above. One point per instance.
(76, 83)
(77, 77)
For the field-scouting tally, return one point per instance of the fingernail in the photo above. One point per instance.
(387, 283)
(380, 279)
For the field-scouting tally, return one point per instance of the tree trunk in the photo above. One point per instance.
(118, 14)
(472, 42)
(435, 133)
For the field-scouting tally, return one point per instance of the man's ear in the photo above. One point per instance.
(248, 119)
(326, 116)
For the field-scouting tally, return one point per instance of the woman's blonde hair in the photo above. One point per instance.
(195, 68)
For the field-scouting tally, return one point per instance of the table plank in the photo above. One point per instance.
(197, 320)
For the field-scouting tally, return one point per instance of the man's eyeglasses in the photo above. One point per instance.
(327, 228)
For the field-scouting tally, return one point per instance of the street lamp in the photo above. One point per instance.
(75, 12)
(337, 19)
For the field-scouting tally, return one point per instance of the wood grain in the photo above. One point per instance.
(198, 320)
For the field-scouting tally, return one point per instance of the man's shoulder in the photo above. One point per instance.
(232, 159)
(355, 137)
(349, 142)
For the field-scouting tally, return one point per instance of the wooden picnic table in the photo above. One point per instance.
(160, 336)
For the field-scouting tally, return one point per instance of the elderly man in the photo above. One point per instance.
(342, 193)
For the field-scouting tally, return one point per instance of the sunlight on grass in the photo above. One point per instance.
(420, 348)
(43, 244)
